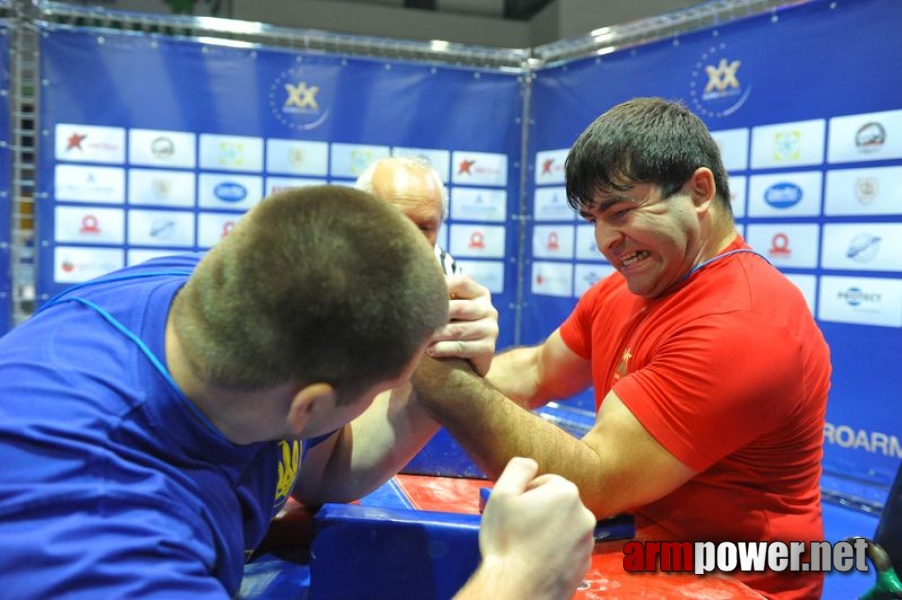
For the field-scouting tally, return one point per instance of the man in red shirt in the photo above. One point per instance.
(710, 374)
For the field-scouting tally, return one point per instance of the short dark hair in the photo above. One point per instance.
(643, 140)
(315, 284)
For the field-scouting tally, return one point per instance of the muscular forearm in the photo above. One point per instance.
(493, 430)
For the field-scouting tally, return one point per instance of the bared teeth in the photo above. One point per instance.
(635, 257)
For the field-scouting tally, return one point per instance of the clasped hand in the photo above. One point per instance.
(472, 328)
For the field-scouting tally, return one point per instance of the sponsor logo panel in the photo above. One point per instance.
(76, 183)
(550, 204)
(277, 184)
(169, 149)
(738, 194)
(479, 168)
(212, 227)
(161, 228)
(231, 153)
(550, 166)
(232, 192)
(552, 279)
(860, 301)
(482, 241)
(350, 160)
(489, 273)
(734, 148)
(89, 143)
(294, 157)
(585, 276)
(785, 195)
(872, 191)
(865, 137)
(862, 246)
(89, 225)
(788, 144)
(586, 247)
(154, 187)
(479, 204)
(786, 245)
(553, 241)
(74, 265)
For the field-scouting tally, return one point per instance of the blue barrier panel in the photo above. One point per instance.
(158, 145)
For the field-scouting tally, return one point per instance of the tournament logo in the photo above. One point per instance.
(716, 88)
(870, 137)
(300, 99)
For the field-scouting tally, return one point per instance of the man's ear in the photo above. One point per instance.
(702, 188)
(310, 399)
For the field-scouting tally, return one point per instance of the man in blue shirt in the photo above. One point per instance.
(154, 420)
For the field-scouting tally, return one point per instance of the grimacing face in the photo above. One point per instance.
(652, 241)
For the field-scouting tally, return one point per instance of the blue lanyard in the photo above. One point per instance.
(718, 257)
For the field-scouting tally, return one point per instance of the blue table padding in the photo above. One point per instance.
(442, 456)
(392, 554)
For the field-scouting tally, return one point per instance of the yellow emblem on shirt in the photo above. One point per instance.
(288, 468)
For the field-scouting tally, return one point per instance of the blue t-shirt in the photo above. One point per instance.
(111, 483)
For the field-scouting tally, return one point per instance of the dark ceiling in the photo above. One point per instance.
(521, 10)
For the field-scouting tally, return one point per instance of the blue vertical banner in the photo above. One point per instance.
(814, 155)
(158, 145)
(5, 185)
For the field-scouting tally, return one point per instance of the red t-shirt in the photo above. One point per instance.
(730, 374)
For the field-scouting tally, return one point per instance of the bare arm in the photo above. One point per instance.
(365, 453)
(617, 466)
(377, 444)
(535, 539)
(533, 376)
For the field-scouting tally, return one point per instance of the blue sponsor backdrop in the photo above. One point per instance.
(811, 62)
(104, 90)
(802, 64)
(5, 201)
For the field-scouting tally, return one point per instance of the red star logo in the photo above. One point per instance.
(75, 141)
(546, 166)
(465, 167)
